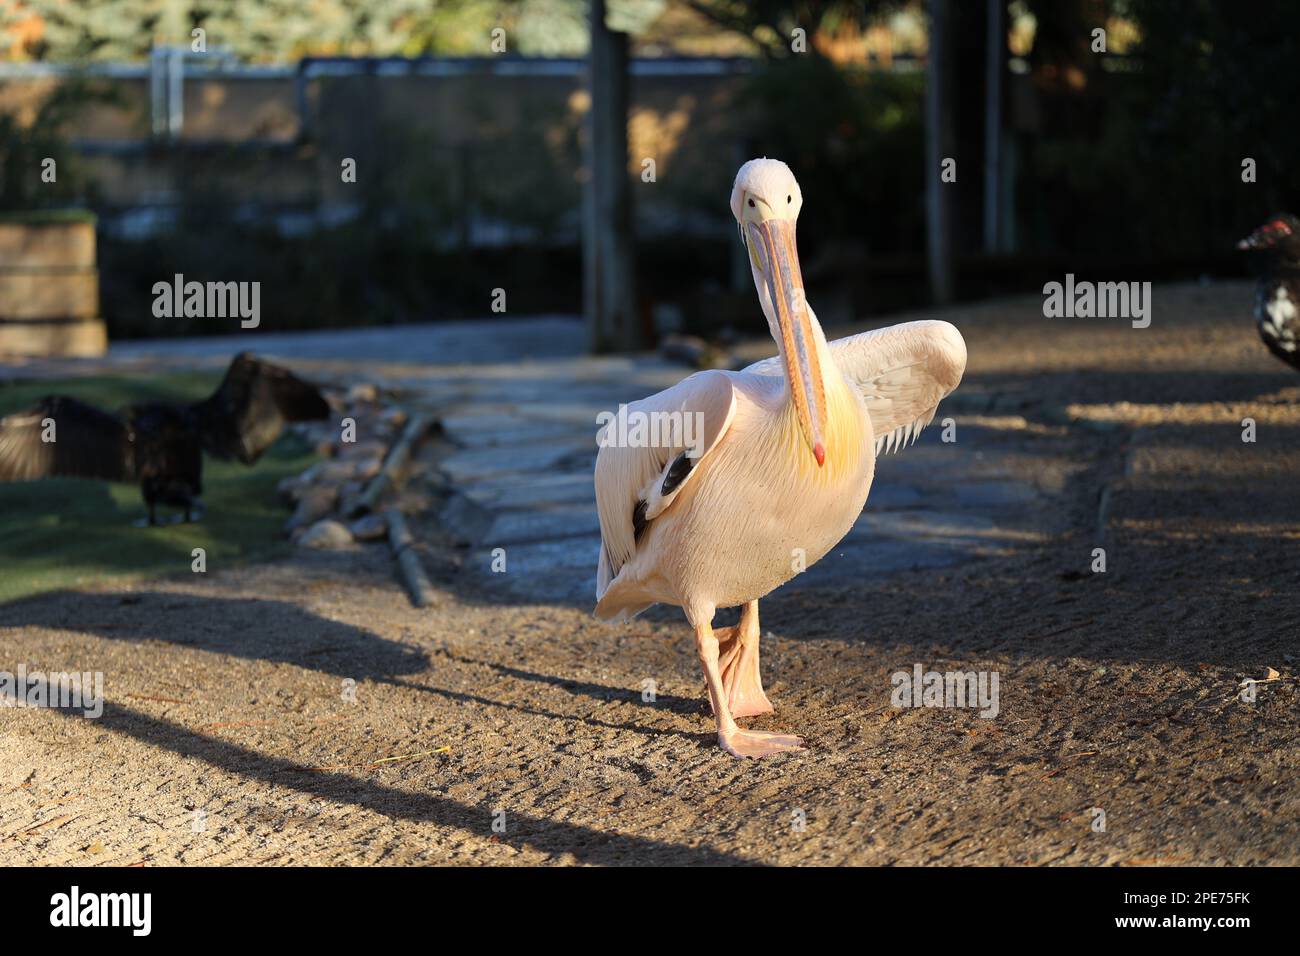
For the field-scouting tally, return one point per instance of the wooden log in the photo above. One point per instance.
(416, 581)
(396, 460)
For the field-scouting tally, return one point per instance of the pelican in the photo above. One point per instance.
(774, 470)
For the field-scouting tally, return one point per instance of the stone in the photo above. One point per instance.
(328, 535)
(464, 519)
(370, 528)
(334, 472)
(534, 491)
(362, 392)
(313, 504)
(363, 449)
(348, 469)
(367, 468)
(534, 525)
(471, 435)
(993, 494)
(466, 466)
(393, 417)
(562, 571)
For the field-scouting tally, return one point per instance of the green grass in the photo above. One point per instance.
(47, 217)
(65, 533)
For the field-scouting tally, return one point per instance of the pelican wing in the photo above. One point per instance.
(648, 454)
(902, 373)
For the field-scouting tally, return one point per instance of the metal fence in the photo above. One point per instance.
(489, 146)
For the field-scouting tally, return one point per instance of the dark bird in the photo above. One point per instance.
(1277, 296)
(159, 445)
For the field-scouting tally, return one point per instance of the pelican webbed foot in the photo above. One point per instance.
(734, 740)
(757, 743)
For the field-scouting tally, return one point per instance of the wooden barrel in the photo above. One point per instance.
(49, 286)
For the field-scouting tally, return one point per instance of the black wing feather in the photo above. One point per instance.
(88, 443)
(246, 414)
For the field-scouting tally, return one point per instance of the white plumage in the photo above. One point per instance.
(782, 469)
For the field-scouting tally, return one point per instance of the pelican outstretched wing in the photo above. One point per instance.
(902, 372)
(648, 453)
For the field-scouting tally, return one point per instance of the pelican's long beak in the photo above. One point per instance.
(777, 257)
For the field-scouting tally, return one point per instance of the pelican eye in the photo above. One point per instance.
(751, 202)
(788, 200)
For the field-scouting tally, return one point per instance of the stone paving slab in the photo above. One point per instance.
(525, 491)
(465, 467)
(550, 523)
(528, 487)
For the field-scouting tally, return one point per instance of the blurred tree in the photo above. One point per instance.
(770, 24)
(853, 134)
(270, 30)
(27, 142)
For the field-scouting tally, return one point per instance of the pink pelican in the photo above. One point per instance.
(776, 470)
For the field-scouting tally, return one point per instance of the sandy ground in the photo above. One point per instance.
(232, 734)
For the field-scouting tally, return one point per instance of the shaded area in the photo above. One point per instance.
(587, 845)
(256, 629)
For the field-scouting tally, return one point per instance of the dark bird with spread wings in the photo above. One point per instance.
(159, 445)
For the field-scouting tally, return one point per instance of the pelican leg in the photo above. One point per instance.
(734, 740)
(738, 658)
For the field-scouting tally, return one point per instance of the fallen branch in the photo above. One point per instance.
(409, 568)
(394, 462)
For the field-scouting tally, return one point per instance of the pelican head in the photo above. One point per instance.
(766, 201)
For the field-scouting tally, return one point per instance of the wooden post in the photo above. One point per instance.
(938, 146)
(609, 275)
(995, 41)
